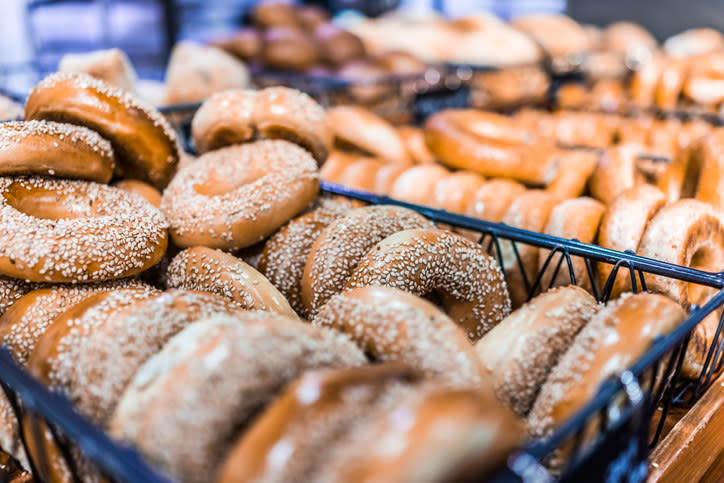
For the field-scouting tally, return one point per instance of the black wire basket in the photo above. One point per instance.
(607, 440)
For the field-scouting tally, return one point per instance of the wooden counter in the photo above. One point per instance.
(693, 450)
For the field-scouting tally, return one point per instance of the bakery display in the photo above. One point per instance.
(223, 316)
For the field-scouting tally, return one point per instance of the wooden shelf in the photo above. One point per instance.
(693, 449)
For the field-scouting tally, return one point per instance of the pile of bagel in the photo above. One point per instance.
(219, 315)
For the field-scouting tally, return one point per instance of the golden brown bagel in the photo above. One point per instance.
(457, 145)
(209, 270)
(357, 127)
(577, 218)
(529, 211)
(285, 253)
(48, 148)
(493, 198)
(391, 325)
(519, 353)
(144, 190)
(76, 231)
(223, 370)
(340, 247)
(144, 143)
(310, 418)
(622, 227)
(440, 264)
(236, 196)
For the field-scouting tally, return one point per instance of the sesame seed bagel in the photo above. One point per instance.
(689, 233)
(337, 251)
(210, 379)
(22, 326)
(576, 218)
(392, 325)
(48, 148)
(236, 196)
(428, 435)
(76, 231)
(365, 131)
(50, 362)
(442, 265)
(309, 418)
(144, 190)
(145, 144)
(615, 337)
(101, 364)
(285, 254)
(622, 228)
(27, 320)
(238, 116)
(519, 352)
(209, 270)
(11, 289)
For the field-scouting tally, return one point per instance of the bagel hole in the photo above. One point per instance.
(706, 258)
(217, 184)
(49, 205)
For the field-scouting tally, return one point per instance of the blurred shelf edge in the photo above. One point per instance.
(693, 450)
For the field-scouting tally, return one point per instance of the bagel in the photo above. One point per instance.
(671, 83)
(615, 337)
(209, 270)
(357, 127)
(387, 177)
(245, 43)
(144, 190)
(288, 48)
(622, 227)
(46, 364)
(391, 325)
(362, 174)
(417, 184)
(687, 233)
(336, 45)
(519, 353)
(467, 282)
(577, 218)
(493, 198)
(574, 170)
(76, 231)
(97, 371)
(413, 138)
(195, 72)
(54, 149)
(459, 144)
(445, 436)
(529, 211)
(11, 289)
(25, 323)
(31, 315)
(144, 143)
(336, 165)
(341, 246)
(309, 418)
(112, 66)
(710, 186)
(285, 253)
(221, 370)
(239, 116)
(455, 192)
(615, 173)
(236, 196)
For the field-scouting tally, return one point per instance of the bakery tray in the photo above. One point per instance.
(608, 440)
